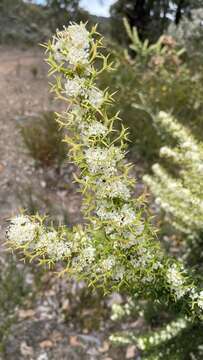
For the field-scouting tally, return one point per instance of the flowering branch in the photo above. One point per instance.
(117, 248)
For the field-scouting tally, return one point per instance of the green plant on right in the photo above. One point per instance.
(177, 186)
(176, 183)
(155, 77)
(43, 139)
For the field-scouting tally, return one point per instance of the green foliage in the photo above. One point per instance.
(180, 196)
(156, 78)
(43, 139)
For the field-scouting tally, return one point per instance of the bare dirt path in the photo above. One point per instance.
(20, 94)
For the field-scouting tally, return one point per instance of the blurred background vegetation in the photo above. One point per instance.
(157, 49)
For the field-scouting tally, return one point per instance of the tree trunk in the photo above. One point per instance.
(179, 11)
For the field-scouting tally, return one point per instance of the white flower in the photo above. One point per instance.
(89, 253)
(78, 55)
(58, 250)
(108, 263)
(127, 215)
(118, 312)
(176, 281)
(55, 247)
(200, 300)
(72, 45)
(74, 87)
(113, 189)
(95, 97)
(59, 49)
(22, 230)
(119, 272)
(20, 220)
(174, 276)
(95, 129)
(47, 237)
(79, 35)
(123, 217)
(103, 159)
(75, 115)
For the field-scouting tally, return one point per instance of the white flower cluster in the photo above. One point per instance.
(176, 281)
(74, 87)
(22, 230)
(197, 297)
(96, 128)
(125, 216)
(95, 97)
(74, 117)
(144, 258)
(72, 45)
(200, 300)
(108, 263)
(56, 249)
(85, 259)
(147, 342)
(89, 253)
(113, 189)
(103, 160)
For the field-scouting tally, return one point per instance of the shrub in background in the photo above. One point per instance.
(43, 139)
(154, 77)
(189, 33)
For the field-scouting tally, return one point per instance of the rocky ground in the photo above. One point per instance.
(42, 317)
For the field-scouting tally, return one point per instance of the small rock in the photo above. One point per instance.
(25, 314)
(1, 168)
(130, 352)
(89, 340)
(73, 340)
(66, 305)
(104, 348)
(46, 344)
(26, 350)
(43, 184)
(43, 356)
